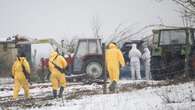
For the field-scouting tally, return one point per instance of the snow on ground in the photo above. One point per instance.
(121, 101)
(145, 99)
(6, 89)
(5, 81)
(172, 97)
(39, 89)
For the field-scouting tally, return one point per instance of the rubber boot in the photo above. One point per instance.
(54, 93)
(112, 86)
(61, 92)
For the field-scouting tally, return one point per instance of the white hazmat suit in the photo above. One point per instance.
(135, 55)
(147, 58)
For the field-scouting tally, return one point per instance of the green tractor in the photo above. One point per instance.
(173, 53)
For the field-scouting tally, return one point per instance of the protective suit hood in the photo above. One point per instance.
(134, 46)
(53, 55)
(146, 50)
(21, 58)
(111, 45)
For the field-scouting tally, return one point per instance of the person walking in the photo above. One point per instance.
(57, 65)
(21, 75)
(146, 57)
(114, 60)
(135, 55)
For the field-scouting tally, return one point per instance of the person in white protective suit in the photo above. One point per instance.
(146, 57)
(134, 56)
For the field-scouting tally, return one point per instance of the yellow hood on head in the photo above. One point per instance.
(21, 58)
(53, 55)
(111, 45)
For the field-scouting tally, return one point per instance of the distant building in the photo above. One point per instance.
(8, 52)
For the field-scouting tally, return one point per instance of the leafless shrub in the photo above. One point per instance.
(70, 44)
(166, 99)
(187, 11)
(96, 27)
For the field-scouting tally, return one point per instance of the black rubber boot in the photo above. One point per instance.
(61, 92)
(112, 86)
(54, 93)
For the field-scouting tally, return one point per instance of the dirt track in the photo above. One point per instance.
(74, 91)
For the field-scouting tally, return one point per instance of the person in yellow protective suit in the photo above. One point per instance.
(56, 66)
(19, 75)
(114, 60)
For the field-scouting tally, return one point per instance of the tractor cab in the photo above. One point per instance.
(172, 52)
(87, 58)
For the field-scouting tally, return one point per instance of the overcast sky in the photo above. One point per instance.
(62, 18)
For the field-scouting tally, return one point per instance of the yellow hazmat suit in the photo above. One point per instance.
(57, 78)
(114, 59)
(19, 77)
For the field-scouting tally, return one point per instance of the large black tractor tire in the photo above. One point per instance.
(93, 68)
(156, 68)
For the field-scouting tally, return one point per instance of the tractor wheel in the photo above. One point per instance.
(156, 68)
(93, 68)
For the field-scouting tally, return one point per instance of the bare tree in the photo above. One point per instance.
(187, 19)
(126, 32)
(187, 11)
(69, 44)
(188, 5)
(96, 26)
(121, 30)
